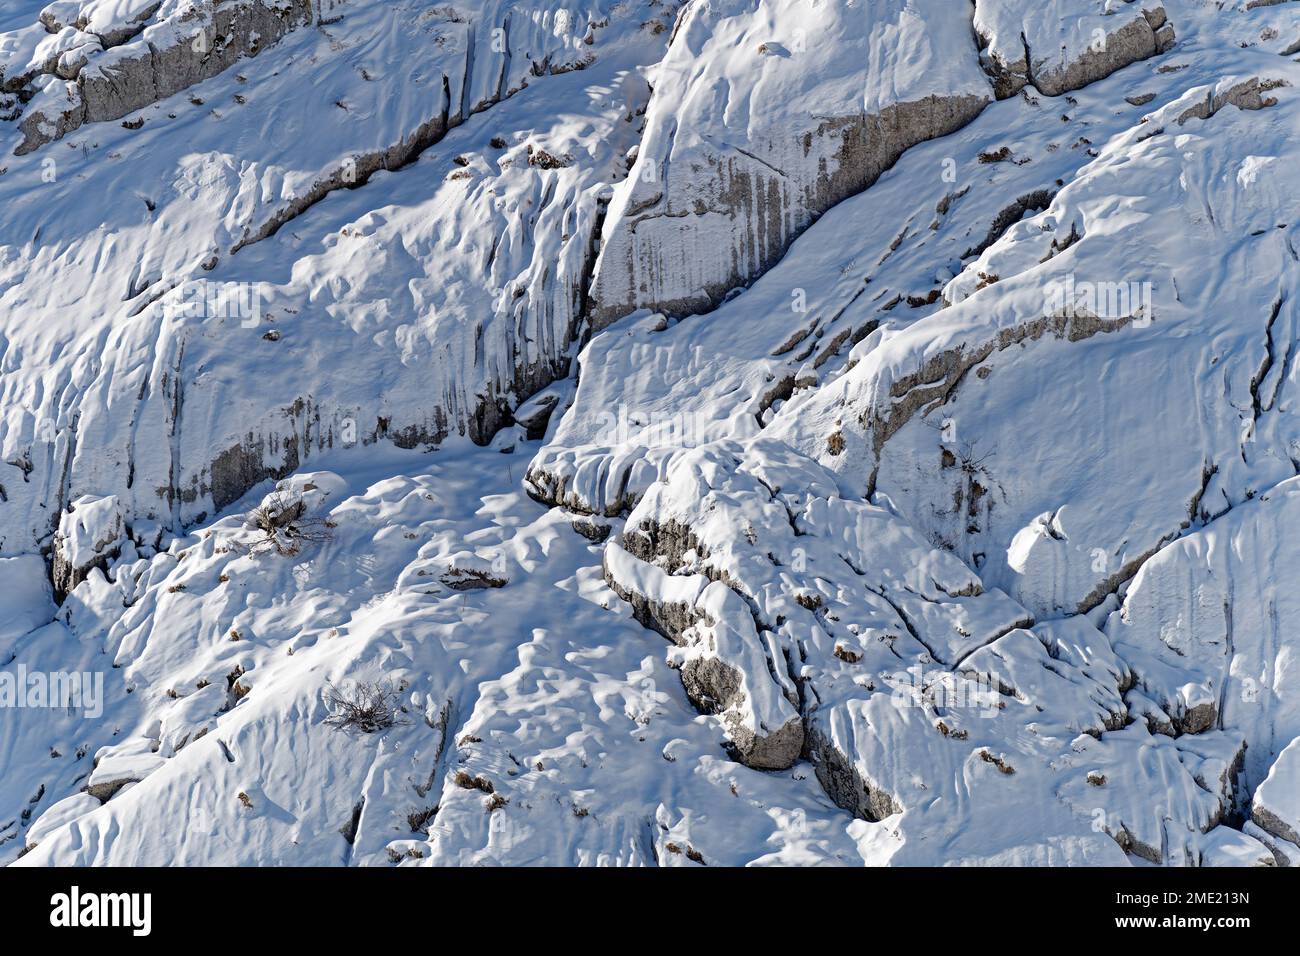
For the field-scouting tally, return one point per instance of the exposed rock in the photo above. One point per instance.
(719, 671)
(535, 414)
(543, 160)
(120, 765)
(668, 608)
(470, 579)
(714, 200)
(594, 531)
(168, 58)
(845, 783)
(1047, 44)
(1250, 93)
(90, 535)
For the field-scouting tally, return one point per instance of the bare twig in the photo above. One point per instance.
(367, 707)
(285, 527)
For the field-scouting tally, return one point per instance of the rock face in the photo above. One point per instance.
(960, 529)
(169, 57)
(464, 339)
(920, 409)
(762, 119)
(1049, 45)
(1112, 615)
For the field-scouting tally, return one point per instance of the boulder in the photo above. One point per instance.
(1275, 806)
(90, 535)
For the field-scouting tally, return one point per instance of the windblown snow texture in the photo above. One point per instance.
(649, 432)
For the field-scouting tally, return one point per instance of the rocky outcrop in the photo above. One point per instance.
(120, 765)
(748, 140)
(114, 21)
(844, 780)
(91, 534)
(1275, 807)
(1050, 46)
(168, 58)
(723, 670)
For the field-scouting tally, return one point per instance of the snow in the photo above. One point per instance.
(701, 483)
(1276, 805)
(575, 686)
(788, 81)
(26, 601)
(91, 528)
(1224, 846)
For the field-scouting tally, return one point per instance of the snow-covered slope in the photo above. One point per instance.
(149, 270)
(763, 117)
(713, 432)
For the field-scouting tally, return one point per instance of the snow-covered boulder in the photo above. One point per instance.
(724, 668)
(467, 571)
(59, 814)
(113, 20)
(91, 533)
(118, 765)
(1275, 806)
(1224, 846)
(189, 717)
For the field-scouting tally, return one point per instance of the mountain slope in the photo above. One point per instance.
(714, 433)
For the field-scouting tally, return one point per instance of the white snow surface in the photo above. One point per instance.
(1276, 806)
(693, 485)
